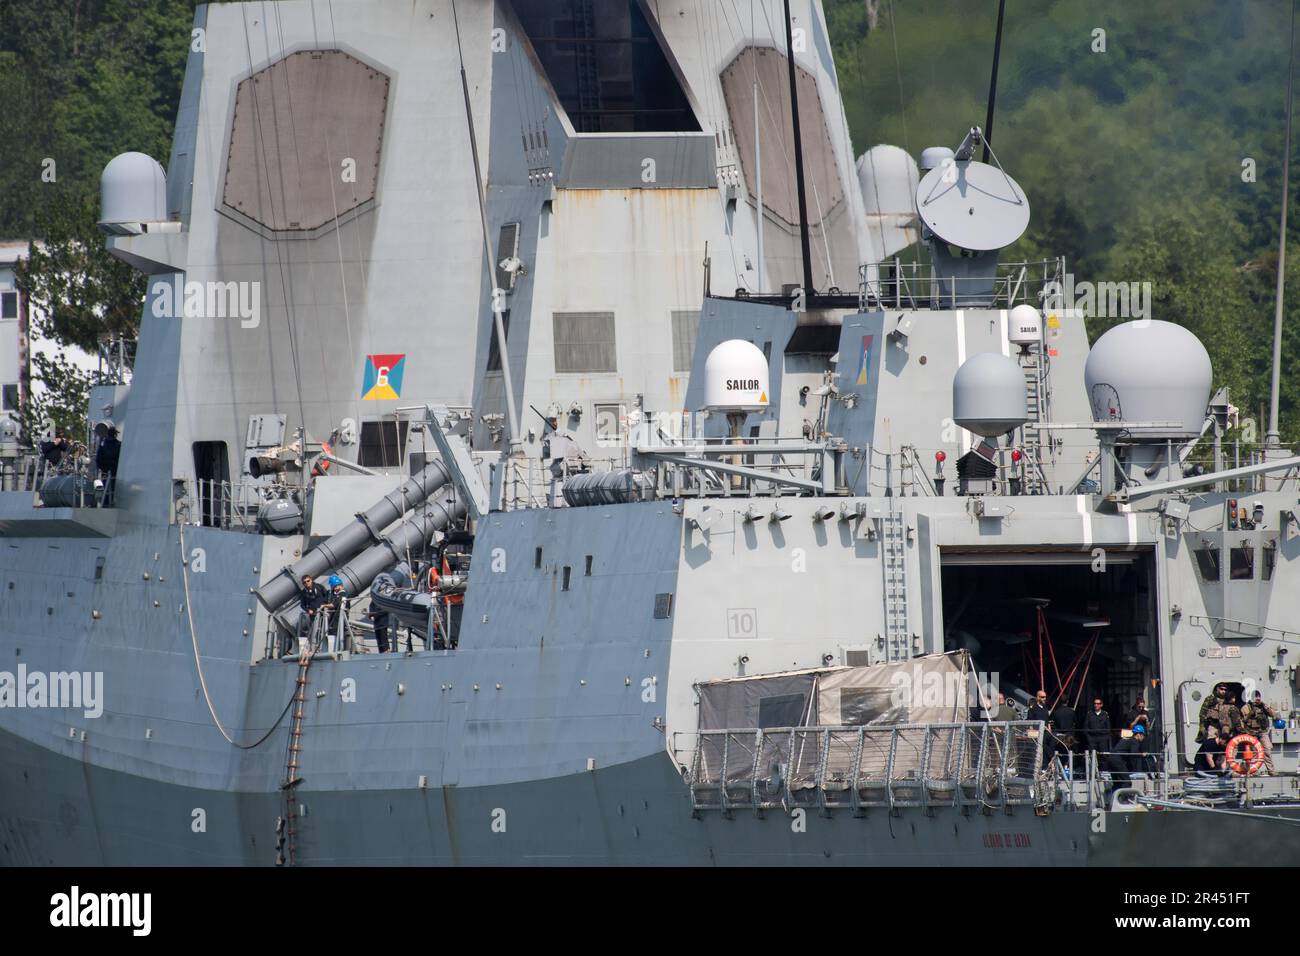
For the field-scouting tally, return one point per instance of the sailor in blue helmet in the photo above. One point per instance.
(1130, 758)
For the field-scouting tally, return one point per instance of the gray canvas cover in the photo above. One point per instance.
(924, 690)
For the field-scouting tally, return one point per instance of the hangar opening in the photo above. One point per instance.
(1058, 620)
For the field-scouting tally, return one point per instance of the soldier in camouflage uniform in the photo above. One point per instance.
(1220, 710)
(1258, 719)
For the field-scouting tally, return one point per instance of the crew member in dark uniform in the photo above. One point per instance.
(1038, 711)
(379, 621)
(1064, 723)
(311, 598)
(110, 449)
(1096, 727)
(1211, 757)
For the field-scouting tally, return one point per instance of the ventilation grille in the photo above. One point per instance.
(686, 326)
(584, 342)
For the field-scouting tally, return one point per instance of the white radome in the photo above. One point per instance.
(1025, 326)
(735, 377)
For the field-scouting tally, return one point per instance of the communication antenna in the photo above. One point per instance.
(993, 80)
(972, 205)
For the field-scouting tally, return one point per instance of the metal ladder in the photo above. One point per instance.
(1036, 406)
(287, 825)
(894, 543)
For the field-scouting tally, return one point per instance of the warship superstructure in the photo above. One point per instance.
(574, 336)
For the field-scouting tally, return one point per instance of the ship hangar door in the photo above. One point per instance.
(1098, 620)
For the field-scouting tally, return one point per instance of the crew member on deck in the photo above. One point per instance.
(1005, 712)
(1096, 727)
(1038, 711)
(110, 449)
(379, 621)
(1064, 722)
(452, 607)
(1258, 718)
(1210, 758)
(311, 598)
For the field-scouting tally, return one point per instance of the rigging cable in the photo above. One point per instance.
(198, 661)
(479, 185)
(284, 282)
(329, 175)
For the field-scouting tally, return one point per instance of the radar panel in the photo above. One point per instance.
(294, 123)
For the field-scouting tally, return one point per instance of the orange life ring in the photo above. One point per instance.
(1250, 758)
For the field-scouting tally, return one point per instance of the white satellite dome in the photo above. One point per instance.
(133, 188)
(988, 395)
(735, 377)
(1150, 371)
(888, 177)
(1024, 326)
(932, 157)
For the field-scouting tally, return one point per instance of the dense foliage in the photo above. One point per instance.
(1129, 143)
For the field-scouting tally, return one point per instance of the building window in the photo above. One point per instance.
(8, 305)
(537, 558)
(494, 349)
(567, 572)
(8, 398)
(686, 328)
(584, 342)
(383, 444)
(588, 571)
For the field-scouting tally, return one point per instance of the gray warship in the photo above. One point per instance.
(715, 478)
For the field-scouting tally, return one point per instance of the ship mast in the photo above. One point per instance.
(804, 244)
(993, 80)
(1273, 437)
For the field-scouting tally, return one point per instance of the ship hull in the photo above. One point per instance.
(55, 810)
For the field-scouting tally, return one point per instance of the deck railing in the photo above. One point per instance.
(980, 764)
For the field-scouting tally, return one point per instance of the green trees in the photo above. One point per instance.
(81, 80)
(1147, 136)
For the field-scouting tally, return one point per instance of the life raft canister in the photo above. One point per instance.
(1244, 754)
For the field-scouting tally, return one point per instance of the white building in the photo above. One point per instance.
(14, 381)
(18, 340)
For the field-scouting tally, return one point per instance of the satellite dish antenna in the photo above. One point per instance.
(972, 205)
(969, 211)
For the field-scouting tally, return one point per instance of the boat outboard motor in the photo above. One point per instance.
(392, 594)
